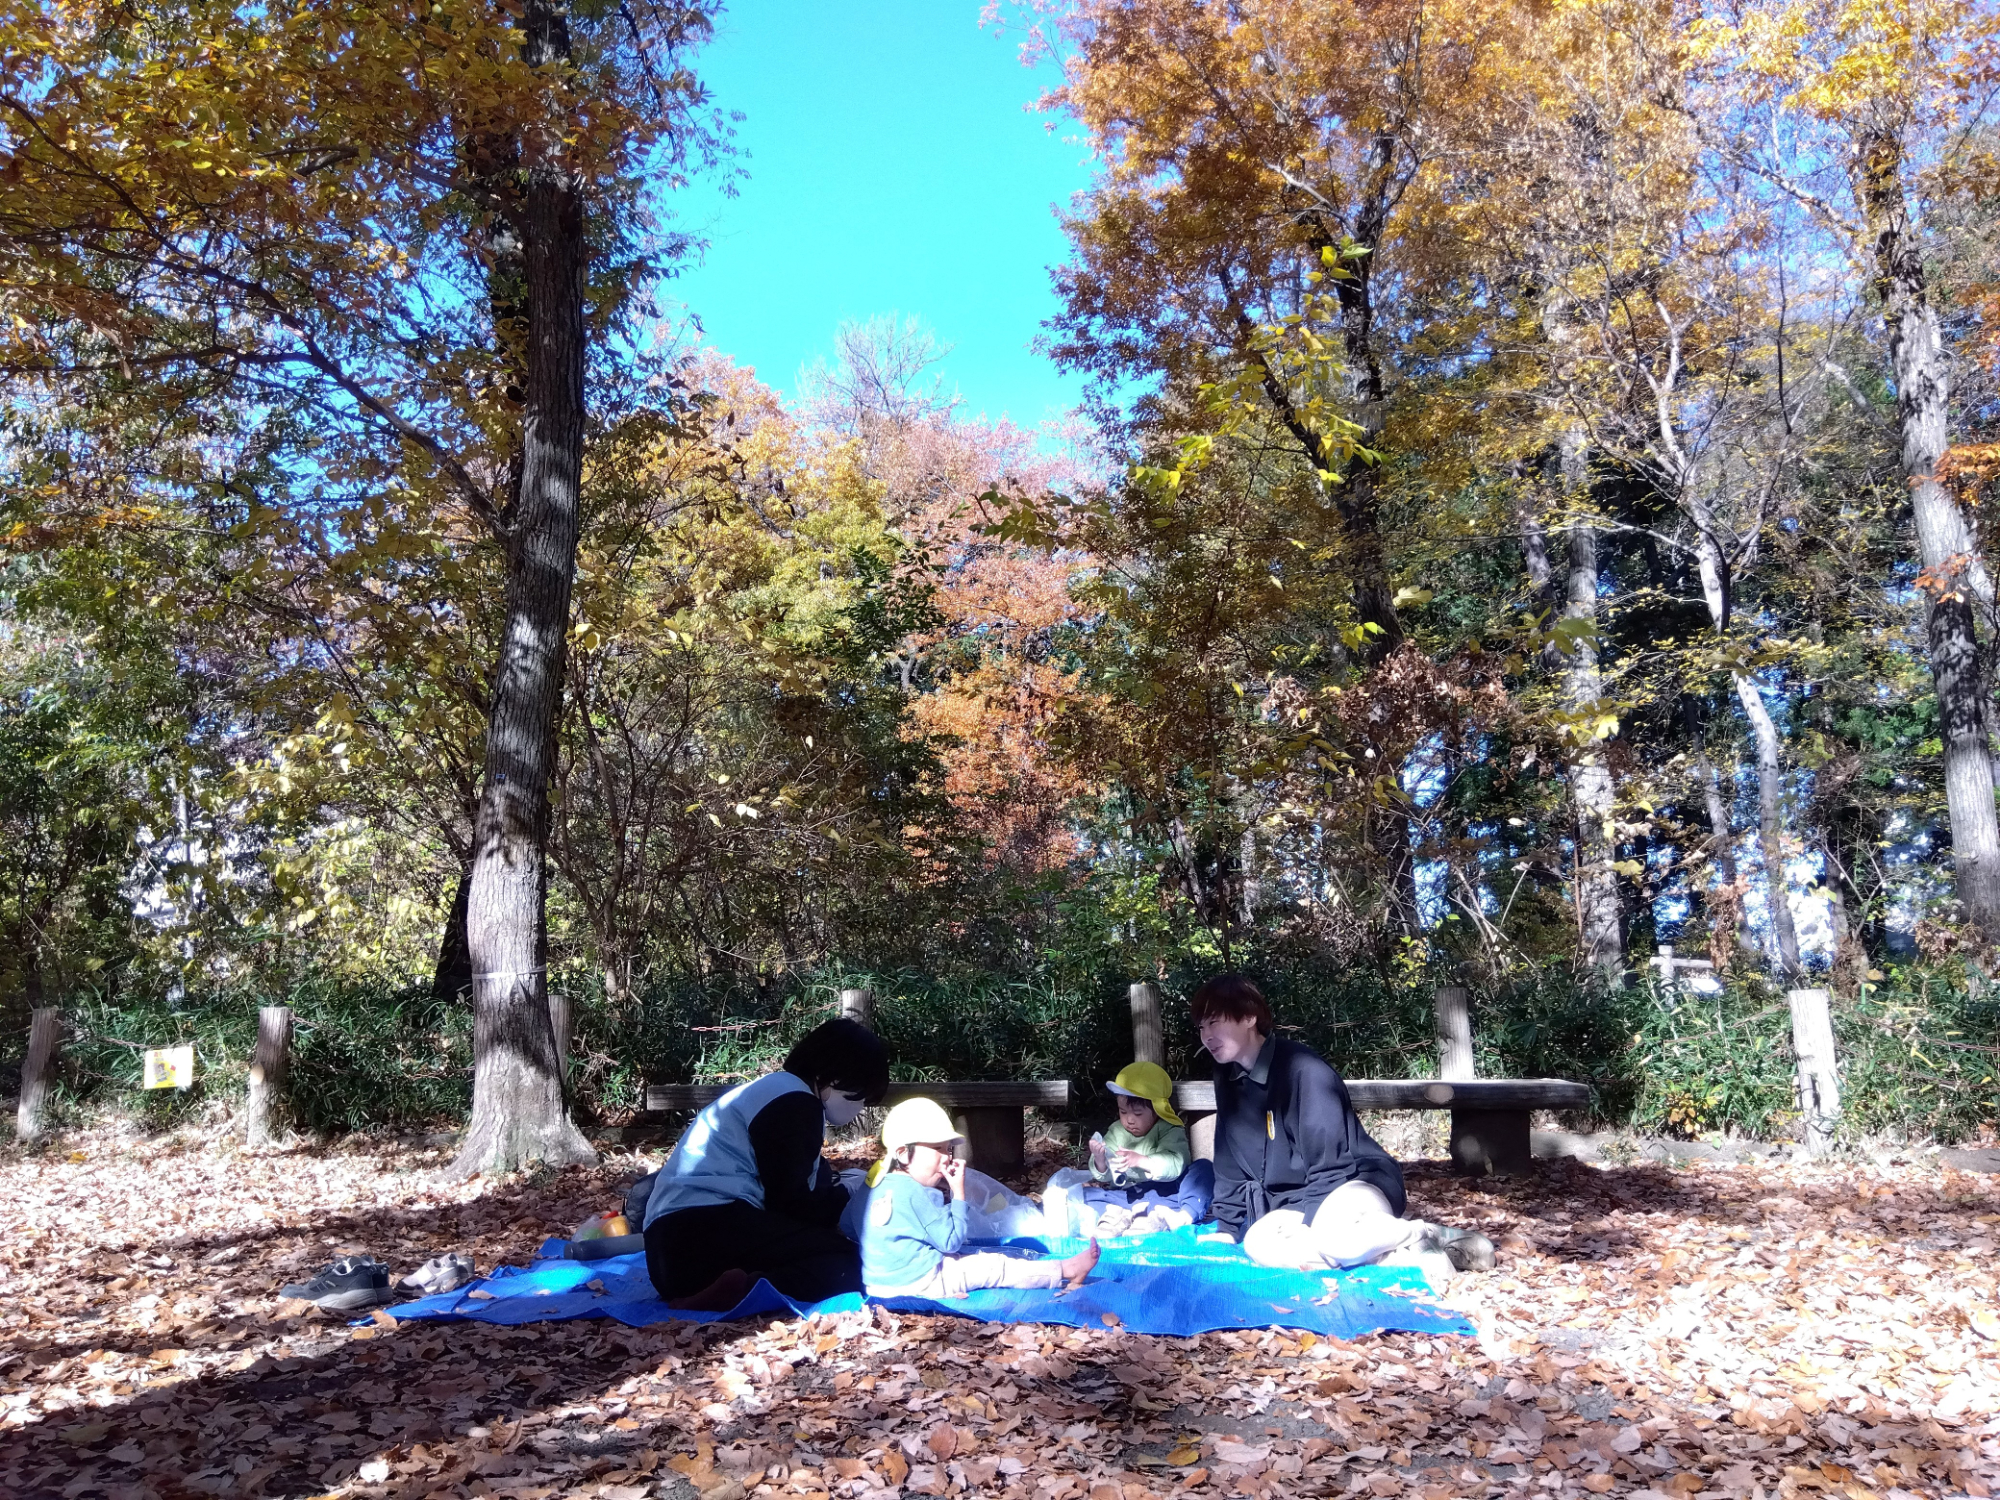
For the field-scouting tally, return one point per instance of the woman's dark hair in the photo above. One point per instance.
(1235, 996)
(844, 1055)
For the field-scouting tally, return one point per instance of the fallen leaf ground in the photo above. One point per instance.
(1710, 1330)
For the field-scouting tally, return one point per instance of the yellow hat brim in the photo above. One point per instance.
(1162, 1107)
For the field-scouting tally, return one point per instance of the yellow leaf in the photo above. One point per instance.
(1184, 1456)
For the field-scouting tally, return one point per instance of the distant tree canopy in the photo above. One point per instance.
(1528, 509)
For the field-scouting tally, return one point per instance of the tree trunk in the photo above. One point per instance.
(518, 1109)
(1600, 914)
(1149, 1037)
(617, 971)
(451, 983)
(1771, 822)
(1723, 835)
(1818, 1075)
(37, 1073)
(1716, 590)
(1453, 1006)
(1253, 890)
(1954, 571)
(269, 1063)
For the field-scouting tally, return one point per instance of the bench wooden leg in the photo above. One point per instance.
(1489, 1141)
(996, 1137)
(1201, 1133)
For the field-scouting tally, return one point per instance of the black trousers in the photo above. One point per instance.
(688, 1249)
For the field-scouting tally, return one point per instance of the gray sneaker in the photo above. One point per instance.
(350, 1283)
(1466, 1249)
(441, 1273)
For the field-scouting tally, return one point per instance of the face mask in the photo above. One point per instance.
(840, 1108)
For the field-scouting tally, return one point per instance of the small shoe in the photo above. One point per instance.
(351, 1282)
(1466, 1249)
(441, 1273)
(1148, 1222)
(1113, 1222)
(1435, 1264)
(1172, 1218)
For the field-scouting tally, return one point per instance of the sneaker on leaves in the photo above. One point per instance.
(350, 1282)
(1466, 1249)
(441, 1273)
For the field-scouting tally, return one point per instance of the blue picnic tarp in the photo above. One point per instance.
(1170, 1283)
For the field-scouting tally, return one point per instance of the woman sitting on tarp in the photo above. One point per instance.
(747, 1195)
(1297, 1178)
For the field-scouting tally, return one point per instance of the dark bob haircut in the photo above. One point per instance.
(844, 1055)
(1235, 996)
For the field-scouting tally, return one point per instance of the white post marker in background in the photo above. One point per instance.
(1819, 1070)
(169, 1067)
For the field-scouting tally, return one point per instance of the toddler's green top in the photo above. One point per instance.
(1164, 1149)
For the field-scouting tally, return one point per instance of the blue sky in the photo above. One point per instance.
(891, 168)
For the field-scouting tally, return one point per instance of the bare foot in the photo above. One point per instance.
(719, 1295)
(1078, 1266)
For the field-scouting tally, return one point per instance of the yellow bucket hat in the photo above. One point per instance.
(1148, 1081)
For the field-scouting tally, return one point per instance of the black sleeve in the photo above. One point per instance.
(1324, 1124)
(786, 1136)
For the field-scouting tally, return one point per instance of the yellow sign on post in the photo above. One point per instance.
(169, 1067)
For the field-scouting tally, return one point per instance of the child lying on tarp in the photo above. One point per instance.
(1142, 1175)
(910, 1236)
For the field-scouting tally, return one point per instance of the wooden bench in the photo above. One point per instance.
(992, 1116)
(1489, 1116)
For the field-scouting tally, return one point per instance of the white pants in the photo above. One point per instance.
(1354, 1226)
(958, 1274)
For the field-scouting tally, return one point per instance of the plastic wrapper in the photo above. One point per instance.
(604, 1226)
(1063, 1210)
(995, 1211)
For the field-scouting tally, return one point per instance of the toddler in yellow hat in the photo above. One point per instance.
(1143, 1177)
(1148, 1143)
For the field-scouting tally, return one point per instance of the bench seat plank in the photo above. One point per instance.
(981, 1094)
(1429, 1093)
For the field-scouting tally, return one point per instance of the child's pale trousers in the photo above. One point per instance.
(958, 1274)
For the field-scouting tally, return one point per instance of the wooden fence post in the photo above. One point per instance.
(858, 1005)
(1819, 1076)
(269, 1063)
(1149, 1037)
(559, 1023)
(37, 1071)
(1453, 1005)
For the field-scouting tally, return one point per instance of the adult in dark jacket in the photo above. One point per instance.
(1297, 1179)
(747, 1195)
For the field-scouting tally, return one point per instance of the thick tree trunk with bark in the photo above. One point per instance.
(1954, 570)
(270, 1062)
(38, 1071)
(451, 982)
(518, 1109)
